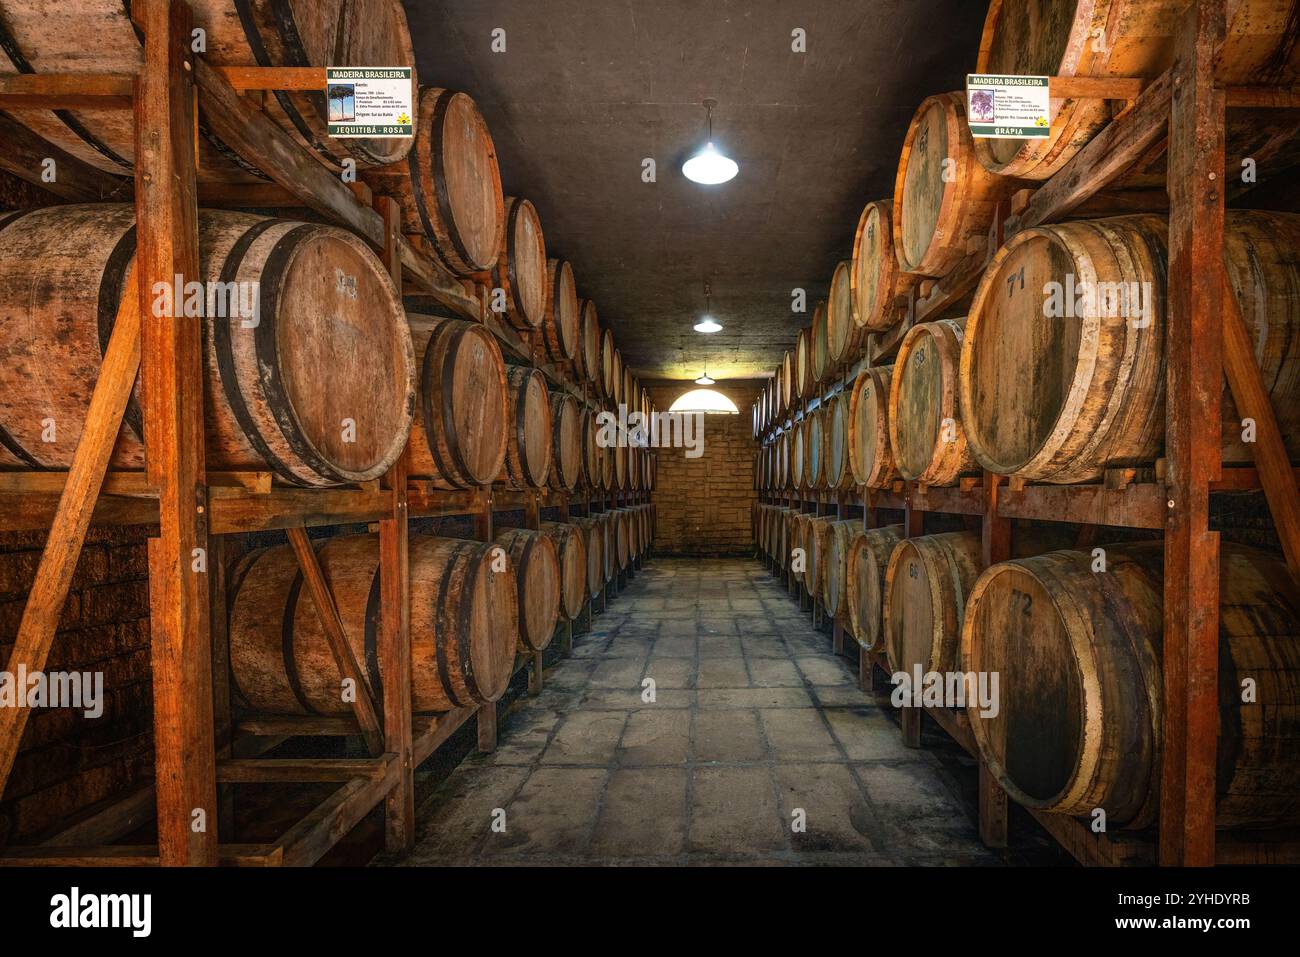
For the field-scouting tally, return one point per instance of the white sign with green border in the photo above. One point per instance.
(369, 101)
(1008, 107)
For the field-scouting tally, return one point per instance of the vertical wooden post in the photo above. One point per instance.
(995, 539)
(172, 379)
(1193, 339)
(394, 641)
(486, 715)
(223, 712)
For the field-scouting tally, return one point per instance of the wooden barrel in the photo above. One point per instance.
(803, 381)
(528, 433)
(788, 393)
(868, 560)
(52, 38)
(1079, 658)
(462, 623)
(1115, 38)
(837, 474)
(520, 269)
(779, 386)
(926, 583)
(870, 456)
(459, 437)
(619, 533)
(566, 441)
(619, 453)
(814, 452)
(835, 594)
(537, 576)
(449, 187)
(609, 528)
(798, 455)
(588, 358)
(943, 197)
(925, 428)
(820, 361)
(607, 477)
(560, 332)
(571, 552)
(595, 546)
(1089, 386)
(816, 545)
(843, 334)
(616, 380)
(606, 383)
(311, 381)
(877, 283)
(591, 452)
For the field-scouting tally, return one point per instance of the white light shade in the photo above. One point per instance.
(709, 167)
(704, 380)
(708, 324)
(704, 400)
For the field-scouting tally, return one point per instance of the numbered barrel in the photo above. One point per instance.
(926, 583)
(843, 334)
(870, 455)
(925, 428)
(878, 286)
(868, 561)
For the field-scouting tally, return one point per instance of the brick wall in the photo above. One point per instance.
(705, 504)
(68, 762)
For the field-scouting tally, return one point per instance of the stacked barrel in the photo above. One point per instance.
(319, 375)
(1053, 371)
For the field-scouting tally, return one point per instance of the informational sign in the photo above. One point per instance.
(1008, 107)
(369, 101)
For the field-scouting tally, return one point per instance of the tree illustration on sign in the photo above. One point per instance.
(342, 101)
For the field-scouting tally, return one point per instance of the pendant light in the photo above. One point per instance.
(708, 167)
(704, 379)
(707, 323)
(704, 400)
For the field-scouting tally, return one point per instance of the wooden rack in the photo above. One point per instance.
(1206, 340)
(202, 747)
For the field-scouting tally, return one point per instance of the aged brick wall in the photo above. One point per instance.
(705, 505)
(67, 761)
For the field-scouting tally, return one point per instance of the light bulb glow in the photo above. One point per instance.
(704, 400)
(708, 324)
(708, 167)
(704, 380)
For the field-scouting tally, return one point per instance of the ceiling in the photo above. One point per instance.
(587, 89)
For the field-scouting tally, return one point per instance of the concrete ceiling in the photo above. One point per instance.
(587, 89)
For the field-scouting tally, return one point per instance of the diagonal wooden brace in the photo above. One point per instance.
(363, 704)
(1252, 400)
(76, 505)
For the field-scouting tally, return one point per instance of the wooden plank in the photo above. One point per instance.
(1135, 506)
(235, 510)
(172, 386)
(110, 823)
(237, 855)
(243, 78)
(24, 156)
(126, 484)
(67, 534)
(67, 91)
(1272, 462)
(431, 732)
(1110, 153)
(995, 547)
(394, 641)
(276, 725)
(1095, 850)
(1096, 87)
(1256, 97)
(303, 770)
(363, 703)
(1194, 388)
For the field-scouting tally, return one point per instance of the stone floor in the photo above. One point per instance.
(754, 727)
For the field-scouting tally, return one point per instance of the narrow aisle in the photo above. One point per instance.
(753, 717)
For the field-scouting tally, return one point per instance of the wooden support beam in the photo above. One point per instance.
(303, 770)
(1194, 388)
(995, 547)
(1097, 87)
(363, 704)
(71, 521)
(67, 91)
(1272, 462)
(394, 641)
(1110, 153)
(172, 378)
(244, 78)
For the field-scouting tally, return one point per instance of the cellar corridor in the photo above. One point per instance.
(753, 718)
